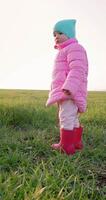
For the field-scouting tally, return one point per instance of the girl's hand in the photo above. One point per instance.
(67, 92)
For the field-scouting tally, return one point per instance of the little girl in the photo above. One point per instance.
(69, 85)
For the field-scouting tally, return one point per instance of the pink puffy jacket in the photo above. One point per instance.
(70, 72)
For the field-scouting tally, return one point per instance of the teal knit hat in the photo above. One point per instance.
(66, 27)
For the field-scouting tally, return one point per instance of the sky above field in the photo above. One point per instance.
(26, 40)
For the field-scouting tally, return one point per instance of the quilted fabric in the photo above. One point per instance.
(70, 72)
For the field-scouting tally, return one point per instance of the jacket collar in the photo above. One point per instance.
(66, 43)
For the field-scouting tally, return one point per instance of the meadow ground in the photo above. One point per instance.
(30, 169)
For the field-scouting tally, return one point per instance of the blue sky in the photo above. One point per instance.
(26, 40)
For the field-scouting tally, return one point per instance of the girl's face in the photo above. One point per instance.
(60, 37)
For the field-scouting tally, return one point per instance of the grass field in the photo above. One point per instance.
(30, 169)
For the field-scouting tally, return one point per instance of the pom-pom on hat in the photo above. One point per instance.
(66, 27)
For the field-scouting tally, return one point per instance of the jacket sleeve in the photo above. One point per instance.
(77, 61)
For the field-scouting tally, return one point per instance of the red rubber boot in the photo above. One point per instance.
(78, 138)
(67, 141)
(56, 146)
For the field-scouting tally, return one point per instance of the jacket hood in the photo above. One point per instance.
(64, 44)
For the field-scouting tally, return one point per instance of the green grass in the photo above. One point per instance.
(30, 169)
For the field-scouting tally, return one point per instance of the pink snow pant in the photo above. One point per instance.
(68, 115)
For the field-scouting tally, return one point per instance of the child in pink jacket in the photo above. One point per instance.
(69, 85)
